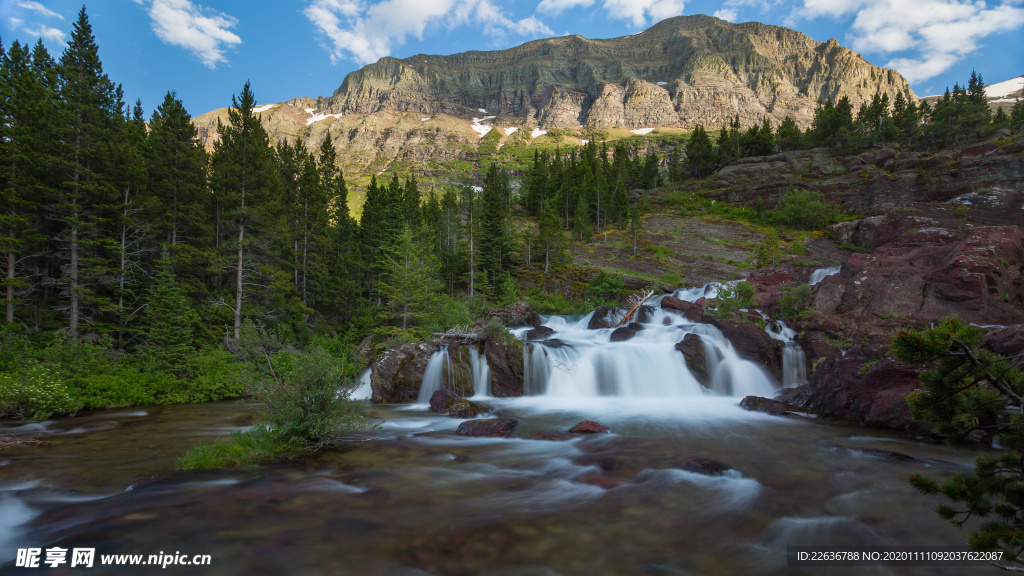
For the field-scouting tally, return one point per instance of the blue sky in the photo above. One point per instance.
(206, 50)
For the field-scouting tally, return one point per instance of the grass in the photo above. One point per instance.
(246, 448)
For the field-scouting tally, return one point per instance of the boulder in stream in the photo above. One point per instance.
(689, 310)
(488, 428)
(692, 348)
(623, 333)
(705, 467)
(767, 405)
(588, 427)
(539, 333)
(444, 403)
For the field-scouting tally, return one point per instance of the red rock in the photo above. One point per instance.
(766, 405)
(689, 310)
(489, 428)
(752, 343)
(588, 427)
(692, 348)
(1008, 341)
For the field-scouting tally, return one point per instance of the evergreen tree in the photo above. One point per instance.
(550, 237)
(409, 281)
(23, 160)
(85, 199)
(768, 252)
(245, 169)
(169, 320)
(495, 242)
(700, 154)
(335, 264)
(789, 135)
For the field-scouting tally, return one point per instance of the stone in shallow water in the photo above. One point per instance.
(767, 405)
(444, 403)
(705, 466)
(588, 427)
(490, 428)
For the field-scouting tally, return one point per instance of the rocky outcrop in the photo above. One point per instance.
(396, 375)
(878, 180)
(506, 361)
(605, 317)
(692, 348)
(539, 333)
(861, 388)
(513, 315)
(754, 344)
(691, 311)
(1008, 341)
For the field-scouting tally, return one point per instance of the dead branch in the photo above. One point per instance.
(16, 442)
(637, 300)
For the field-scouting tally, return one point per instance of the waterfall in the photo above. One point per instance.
(437, 373)
(794, 361)
(364, 390)
(585, 363)
(820, 274)
(481, 374)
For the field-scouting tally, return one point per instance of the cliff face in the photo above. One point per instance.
(683, 71)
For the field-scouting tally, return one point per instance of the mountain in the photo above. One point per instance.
(419, 112)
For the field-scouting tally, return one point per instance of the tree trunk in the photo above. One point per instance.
(73, 326)
(10, 279)
(238, 283)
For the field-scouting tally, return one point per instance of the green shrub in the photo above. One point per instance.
(448, 312)
(606, 289)
(731, 299)
(35, 391)
(805, 209)
(794, 302)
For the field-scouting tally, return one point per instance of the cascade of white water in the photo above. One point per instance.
(820, 274)
(586, 363)
(794, 361)
(364, 390)
(437, 373)
(481, 374)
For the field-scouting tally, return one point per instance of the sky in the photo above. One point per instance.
(207, 50)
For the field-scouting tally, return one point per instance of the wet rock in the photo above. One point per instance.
(490, 428)
(604, 317)
(444, 403)
(644, 314)
(860, 388)
(1008, 341)
(692, 348)
(705, 466)
(518, 314)
(626, 332)
(588, 427)
(767, 405)
(539, 333)
(753, 344)
(396, 374)
(689, 310)
(505, 359)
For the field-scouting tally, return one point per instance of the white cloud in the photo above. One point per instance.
(203, 32)
(37, 7)
(15, 22)
(637, 11)
(726, 14)
(47, 33)
(365, 32)
(936, 33)
(556, 7)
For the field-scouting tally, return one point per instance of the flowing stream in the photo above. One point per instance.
(416, 499)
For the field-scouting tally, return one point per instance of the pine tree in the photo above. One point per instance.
(24, 99)
(768, 252)
(409, 282)
(169, 320)
(245, 170)
(550, 237)
(700, 154)
(788, 135)
(495, 243)
(85, 198)
(335, 265)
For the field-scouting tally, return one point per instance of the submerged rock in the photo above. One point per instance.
(692, 348)
(705, 467)
(444, 403)
(588, 427)
(489, 428)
